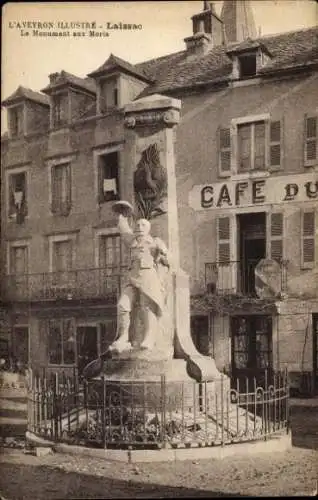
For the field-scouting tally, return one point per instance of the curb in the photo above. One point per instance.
(272, 445)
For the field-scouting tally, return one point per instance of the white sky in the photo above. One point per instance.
(29, 60)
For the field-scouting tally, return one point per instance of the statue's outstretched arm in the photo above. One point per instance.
(125, 230)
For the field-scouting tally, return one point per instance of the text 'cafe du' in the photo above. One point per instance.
(247, 192)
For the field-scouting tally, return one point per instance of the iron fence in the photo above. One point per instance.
(67, 285)
(116, 414)
(237, 277)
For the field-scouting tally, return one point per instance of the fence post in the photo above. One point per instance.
(104, 412)
(55, 406)
(163, 410)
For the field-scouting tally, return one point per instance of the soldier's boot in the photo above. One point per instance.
(151, 329)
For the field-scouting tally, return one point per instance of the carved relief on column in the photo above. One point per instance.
(168, 118)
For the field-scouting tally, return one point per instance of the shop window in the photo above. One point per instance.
(61, 342)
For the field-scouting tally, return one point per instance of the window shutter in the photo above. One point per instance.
(224, 151)
(68, 181)
(275, 134)
(100, 180)
(25, 195)
(223, 238)
(12, 209)
(276, 236)
(308, 239)
(311, 140)
(54, 190)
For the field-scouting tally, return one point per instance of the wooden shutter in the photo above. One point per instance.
(276, 236)
(224, 151)
(275, 149)
(223, 239)
(54, 190)
(308, 229)
(311, 140)
(12, 209)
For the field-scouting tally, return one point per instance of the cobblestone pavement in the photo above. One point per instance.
(59, 476)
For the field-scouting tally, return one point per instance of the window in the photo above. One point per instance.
(62, 255)
(311, 141)
(61, 189)
(250, 145)
(18, 196)
(109, 252)
(308, 229)
(247, 65)
(60, 110)
(108, 166)
(109, 95)
(18, 263)
(61, 342)
(16, 121)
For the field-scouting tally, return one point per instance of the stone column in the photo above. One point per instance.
(151, 121)
(150, 125)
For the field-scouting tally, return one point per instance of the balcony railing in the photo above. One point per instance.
(237, 277)
(66, 285)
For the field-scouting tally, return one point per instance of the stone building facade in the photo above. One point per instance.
(247, 187)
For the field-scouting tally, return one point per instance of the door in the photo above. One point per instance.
(251, 343)
(254, 249)
(21, 346)
(86, 346)
(315, 352)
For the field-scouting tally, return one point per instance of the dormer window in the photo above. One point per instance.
(109, 95)
(60, 110)
(16, 121)
(247, 65)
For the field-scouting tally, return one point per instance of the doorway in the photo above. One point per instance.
(200, 333)
(251, 346)
(252, 248)
(20, 346)
(315, 352)
(86, 346)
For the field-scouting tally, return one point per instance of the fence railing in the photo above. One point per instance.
(237, 277)
(104, 413)
(73, 284)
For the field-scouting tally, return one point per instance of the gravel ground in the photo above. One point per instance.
(58, 476)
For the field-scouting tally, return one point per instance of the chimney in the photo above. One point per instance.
(53, 77)
(238, 20)
(207, 30)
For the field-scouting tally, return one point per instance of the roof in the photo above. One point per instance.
(25, 93)
(114, 62)
(64, 78)
(177, 71)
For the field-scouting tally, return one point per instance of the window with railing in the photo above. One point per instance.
(61, 189)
